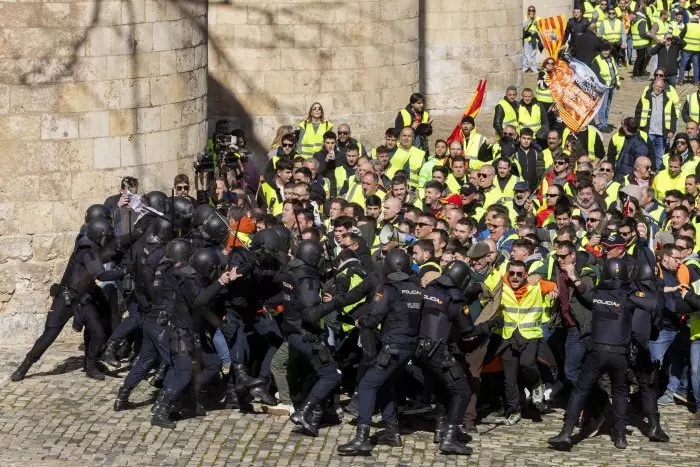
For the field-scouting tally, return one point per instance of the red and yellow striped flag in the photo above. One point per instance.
(552, 33)
(472, 110)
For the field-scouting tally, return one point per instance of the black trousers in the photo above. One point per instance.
(641, 62)
(595, 364)
(328, 376)
(155, 347)
(647, 378)
(56, 319)
(520, 355)
(377, 386)
(445, 369)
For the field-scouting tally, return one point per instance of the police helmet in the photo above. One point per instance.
(99, 230)
(644, 271)
(614, 269)
(157, 200)
(161, 231)
(309, 252)
(397, 260)
(206, 262)
(216, 228)
(178, 251)
(182, 208)
(458, 272)
(267, 240)
(97, 211)
(285, 235)
(201, 214)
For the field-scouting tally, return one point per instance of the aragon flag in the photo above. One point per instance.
(552, 33)
(471, 111)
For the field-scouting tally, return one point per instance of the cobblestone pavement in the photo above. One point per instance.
(56, 416)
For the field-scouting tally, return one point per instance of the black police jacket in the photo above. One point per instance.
(145, 274)
(648, 299)
(443, 309)
(612, 313)
(397, 307)
(86, 266)
(301, 297)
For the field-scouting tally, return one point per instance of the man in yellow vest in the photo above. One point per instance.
(270, 195)
(473, 143)
(691, 107)
(605, 68)
(640, 41)
(531, 114)
(415, 116)
(612, 30)
(506, 111)
(408, 158)
(691, 51)
(523, 307)
(656, 115)
(670, 178)
(531, 39)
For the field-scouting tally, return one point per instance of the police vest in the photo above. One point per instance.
(638, 42)
(509, 115)
(692, 37)
(610, 324)
(646, 111)
(272, 199)
(530, 118)
(693, 106)
(408, 118)
(604, 66)
(411, 161)
(526, 315)
(311, 141)
(612, 31)
(356, 276)
(435, 324)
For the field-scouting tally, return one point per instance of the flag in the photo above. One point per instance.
(552, 33)
(576, 91)
(472, 110)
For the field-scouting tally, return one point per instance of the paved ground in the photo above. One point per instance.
(58, 417)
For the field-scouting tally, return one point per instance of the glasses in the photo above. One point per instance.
(560, 163)
(422, 224)
(182, 188)
(482, 175)
(343, 132)
(605, 170)
(316, 108)
(562, 256)
(625, 234)
(509, 134)
(677, 258)
(530, 10)
(552, 195)
(289, 145)
(592, 219)
(516, 274)
(659, 75)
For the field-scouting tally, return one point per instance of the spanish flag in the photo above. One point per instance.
(472, 111)
(552, 33)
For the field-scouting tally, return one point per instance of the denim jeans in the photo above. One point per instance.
(605, 107)
(529, 56)
(629, 49)
(659, 144)
(691, 57)
(574, 351)
(221, 347)
(695, 369)
(668, 347)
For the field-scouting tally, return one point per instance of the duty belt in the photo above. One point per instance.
(616, 349)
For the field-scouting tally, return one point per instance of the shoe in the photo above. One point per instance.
(352, 407)
(279, 409)
(302, 418)
(666, 399)
(416, 407)
(680, 396)
(562, 442)
(21, 371)
(123, 350)
(243, 380)
(551, 390)
(161, 414)
(620, 440)
(538, 397)
(95, 373)
(122, 402)
(390, 436)
(656, 433)
(513, 419)
(259, 393)
(360, 444)
(451, 445)
(592, 425)
(440, 425)
(695, 418)
(109, 356)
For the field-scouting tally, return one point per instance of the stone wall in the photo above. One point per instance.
(89, 92)
(268, 62)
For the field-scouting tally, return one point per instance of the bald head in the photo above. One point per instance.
(392, 207)
(641, 161)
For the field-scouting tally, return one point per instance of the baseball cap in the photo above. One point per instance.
(452, 199)
(614, 241)
(522, 186)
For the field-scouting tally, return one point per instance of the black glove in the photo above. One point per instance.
(496, 322)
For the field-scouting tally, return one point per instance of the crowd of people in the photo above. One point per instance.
(415, 277)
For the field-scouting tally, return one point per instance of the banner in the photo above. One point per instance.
(552, 33)
(576, 91)
(472, 110)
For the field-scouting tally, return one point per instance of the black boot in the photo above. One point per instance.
(562, 442)
(351, 408)
(231, 401)
(161, 414)
(359, 445)
(303, 417)
(109, 356)
(95, 373)
(199, 409)
(390, 436)
(439, 429)
(122, 402)
(450, 443)
(620, 439)
(21, 371)
(123, 349)
(159, 376)
(243, 379)
(656, 433)
(260, 393)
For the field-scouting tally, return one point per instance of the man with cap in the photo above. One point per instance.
(614, 247)
(471, 203)
(473, 143)
(522, 204)
(452, 201)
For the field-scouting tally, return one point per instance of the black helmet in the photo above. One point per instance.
(644, 271)
(97, 211)
(309, 252)
(161, 231)
(206, 262)
(267, 240)
(201, 214)
(99, 230)
(182, 208)
(458, 272)
(397, 260)
(216, 228)
(285, 235)
(158, 201)
(178, 251)
(614, 268)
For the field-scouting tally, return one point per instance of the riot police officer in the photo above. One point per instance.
(301, 284)
(397, 307)
(74, 297)
(611, 334)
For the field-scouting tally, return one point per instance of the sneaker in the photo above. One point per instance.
(666, 399)
(680, 396)
(538, 396)
(592, 426)
(513, 419)
(279, 409)
(551, 390)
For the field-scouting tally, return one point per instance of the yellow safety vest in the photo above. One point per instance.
(543, 95)
(663, 26)
(612, 31)
(695, 316)
(638, 41)
(341, 175)
(356, 277)
(692, 37)
(471, 148)
(408, 118)
(492, 195)
(677, 29)
(530, 120)
(509, 115)
(605, 70)
(354, 193)
(693, 107)
(664, 182)
(611, 192)
(274, 204)
(508, 192)
(646, 111)
(588, 10)
(412, 160)
(311, 141)
(548, 158)
(526, 315)
(591, 136)
(452, 184)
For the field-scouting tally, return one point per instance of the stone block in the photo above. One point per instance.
(99, 41)
(143, 37)
(133, 93)
(8, 218)
(75, 155)
(20, 127)
(87, 185)
(133, 150)
(94, 124)
(34, 217)
(59, 126)
(48, 247)
(78, 97)
(68, 215)
(148, 119)
(107, 153)
(307, 35)
(166, 36)
(4, 99)
(53, 186)
(15, 248)
(171, 116)
(40, 98)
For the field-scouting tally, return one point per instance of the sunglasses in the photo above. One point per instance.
(316, 108)
(560, 163)
(287, 145)
(481, 175)
(530, 10)
(659, 75)
(509, 134)
(592, 219)
(516, 274)
(343, 132)
(182, 188)
(605, 170)
(551, 195)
